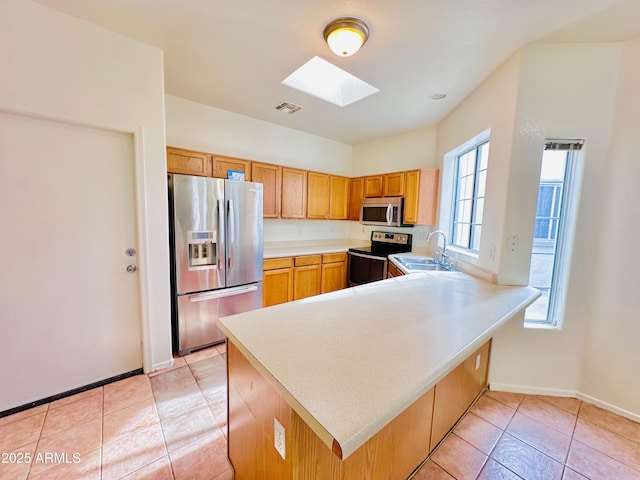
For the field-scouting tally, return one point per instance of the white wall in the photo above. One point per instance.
(491, 106)
(196, 126)
(566, 91)
(611, 355)
(58, 67)
(405, 151)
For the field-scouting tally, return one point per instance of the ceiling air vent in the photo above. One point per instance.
(289, 108)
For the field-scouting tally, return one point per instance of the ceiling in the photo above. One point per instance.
(233, 54)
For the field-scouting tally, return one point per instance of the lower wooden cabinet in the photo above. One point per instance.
(392, 453)
(307, 274)
(292, 278)
(334, 272)
(455, 392)
(393, 271)
(277, 281)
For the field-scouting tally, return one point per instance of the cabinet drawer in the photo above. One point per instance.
(275, 263)
(307, 260)
(394, 271)
(334, 257)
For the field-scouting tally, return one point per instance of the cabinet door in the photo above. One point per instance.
(187, 162)
(421, 196)
(223, 164)
(355, 199)
(294, 193)
(317, 195)
(338, 198)
(306, 281)
(455, 392)
(270, 176)
(393, 271)
(334, 276)
(373, 186)
(393, 184)
(412, 186)
(277, 286)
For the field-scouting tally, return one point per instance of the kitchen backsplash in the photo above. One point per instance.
(291, 230)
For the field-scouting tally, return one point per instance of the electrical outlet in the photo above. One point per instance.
(492, 253)
(279, 437)
(478, 361)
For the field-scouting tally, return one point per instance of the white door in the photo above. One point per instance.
(69, 310)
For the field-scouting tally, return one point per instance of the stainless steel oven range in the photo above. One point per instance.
(369, 264)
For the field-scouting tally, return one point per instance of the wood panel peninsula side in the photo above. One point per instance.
(311, 396)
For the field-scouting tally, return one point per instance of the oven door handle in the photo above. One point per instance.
(372, 257)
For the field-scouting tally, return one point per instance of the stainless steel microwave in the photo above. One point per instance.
(382, 211)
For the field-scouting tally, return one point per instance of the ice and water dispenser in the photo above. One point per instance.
(202, 248)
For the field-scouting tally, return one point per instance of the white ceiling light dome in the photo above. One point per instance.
(346, 35)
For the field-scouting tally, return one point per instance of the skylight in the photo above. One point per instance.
(324, 80)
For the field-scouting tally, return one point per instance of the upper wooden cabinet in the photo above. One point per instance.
(221, 165)
(294, 193)
(188, 162)
(338, 198)
(355, 198)
(317, 195)
(270, 176)
(421, 196)
(373, 186)
(393, 184)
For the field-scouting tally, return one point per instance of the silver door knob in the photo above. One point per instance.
(131, 268)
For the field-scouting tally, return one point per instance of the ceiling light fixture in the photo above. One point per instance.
(346, 35)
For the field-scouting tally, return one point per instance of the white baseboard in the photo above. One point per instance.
(553, 392)
(607, 406)
(160, 366)
(529, 390)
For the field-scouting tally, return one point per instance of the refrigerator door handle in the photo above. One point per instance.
(231, 226)
(227, 292)
(220, 238)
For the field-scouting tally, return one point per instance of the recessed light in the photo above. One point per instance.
(437, 96)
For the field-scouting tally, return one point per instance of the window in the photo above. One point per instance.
(470, 179)
(553, 231)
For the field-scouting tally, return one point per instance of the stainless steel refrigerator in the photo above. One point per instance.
(216, 237)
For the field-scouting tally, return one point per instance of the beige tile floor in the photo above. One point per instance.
(507, 436)
(172, 425)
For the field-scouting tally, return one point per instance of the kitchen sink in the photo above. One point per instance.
(420, 264)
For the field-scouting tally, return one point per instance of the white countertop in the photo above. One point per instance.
(310, 247)
(350, 361)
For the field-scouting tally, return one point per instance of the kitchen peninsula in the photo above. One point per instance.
(361, 380)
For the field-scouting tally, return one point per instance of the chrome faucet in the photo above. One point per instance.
(443, 254)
